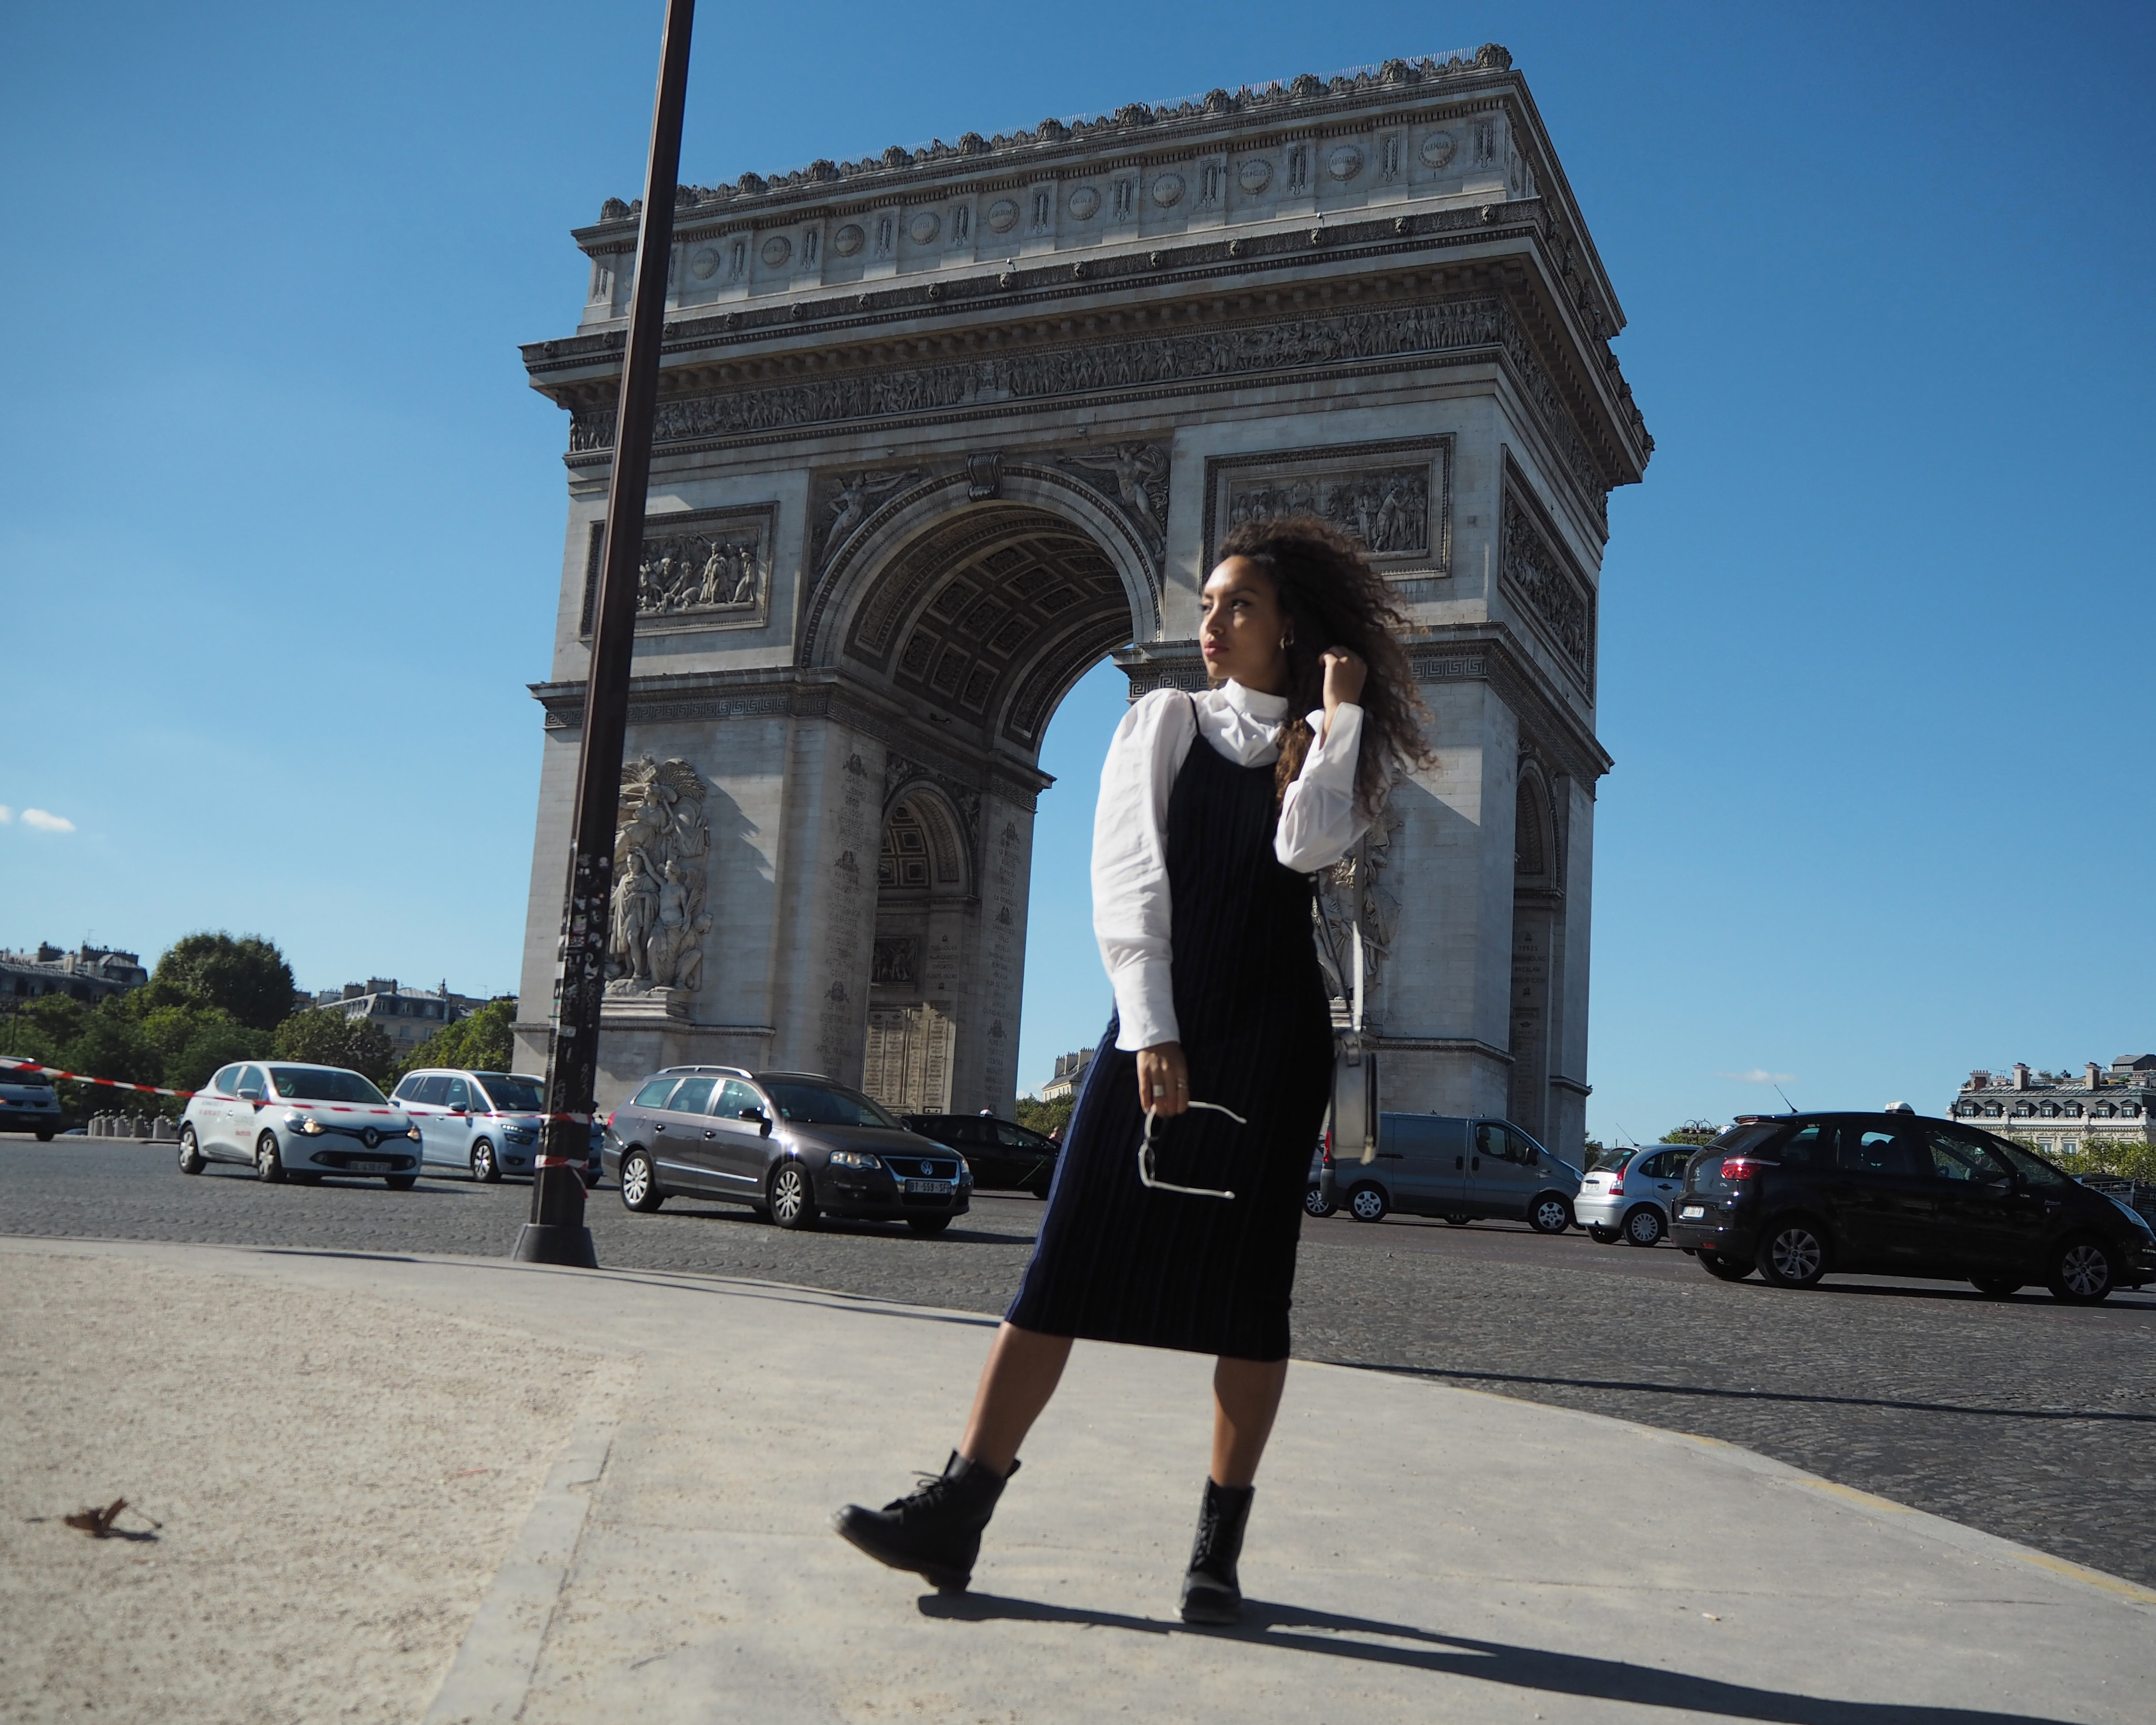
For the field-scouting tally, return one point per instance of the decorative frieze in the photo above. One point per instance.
(1541, 578)
(1394, 496)
(1176, 360)
(705, 569)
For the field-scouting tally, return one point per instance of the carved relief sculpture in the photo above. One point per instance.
(1388, 510)
(1137, 481)
(1552, 594)
(1354, 889)
(662, 844)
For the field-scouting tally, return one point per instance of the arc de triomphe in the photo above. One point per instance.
(940, 429)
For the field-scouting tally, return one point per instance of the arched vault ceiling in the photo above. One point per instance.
(991, 616)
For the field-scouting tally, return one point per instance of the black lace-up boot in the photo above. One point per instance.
(936, 1532)
(1211, 1593)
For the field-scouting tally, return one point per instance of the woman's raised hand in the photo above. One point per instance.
(1163, 1078)
(1345, 674)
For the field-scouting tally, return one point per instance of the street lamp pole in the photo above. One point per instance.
(557, 1234)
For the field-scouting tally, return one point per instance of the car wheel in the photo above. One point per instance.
(793, 1197)
(1998, 1287)
(2081, 1271)
(1367, 1203)
(1724, 1269)
(1315, 1201)
(269, 1164)
(1793, 1254)
(1549, 1213)
(45, 1137)
(1643, 1227)
(484, 1166)
(640, 1183)
(1601, 1235)
(928, 1225)
(400, 1183)
(191, 1156)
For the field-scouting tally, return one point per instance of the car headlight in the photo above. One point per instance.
(412, 1131)
(853, 1158)
(305, 1124)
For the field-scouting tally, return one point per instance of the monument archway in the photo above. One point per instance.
(941, 428)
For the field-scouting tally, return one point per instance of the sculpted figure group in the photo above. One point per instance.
(656, 936)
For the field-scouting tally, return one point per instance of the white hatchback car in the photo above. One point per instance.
(299, 1122)
(484, 1124)
(1630, 1194)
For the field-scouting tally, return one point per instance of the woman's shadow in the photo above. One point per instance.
(1338, 1636)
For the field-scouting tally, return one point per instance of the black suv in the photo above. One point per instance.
(1001, 1153)
(1796, 1195)
(791, 1146)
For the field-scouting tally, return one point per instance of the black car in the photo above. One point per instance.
(1001, 1153)
(791, 1146)
(1795, 1196)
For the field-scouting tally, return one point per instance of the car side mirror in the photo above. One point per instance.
(250, 1095)
(762, 1119)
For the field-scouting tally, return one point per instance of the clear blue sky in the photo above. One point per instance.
(280, 521)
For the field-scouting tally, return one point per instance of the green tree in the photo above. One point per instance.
(1693, 1132)
(477, 1042)
(1042, 1117)
(247, 978)
(323, 1036)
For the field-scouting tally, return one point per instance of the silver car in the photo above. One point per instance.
(483, 1124)
(28, 1103)
(299, 1122)
(1629, 1194)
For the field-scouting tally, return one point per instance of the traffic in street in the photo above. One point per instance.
(2019, 1415)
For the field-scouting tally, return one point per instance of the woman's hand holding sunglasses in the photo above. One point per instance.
(1163, 1079)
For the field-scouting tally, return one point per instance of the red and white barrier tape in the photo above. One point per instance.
(8, 1063)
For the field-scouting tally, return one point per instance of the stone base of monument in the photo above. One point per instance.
(655, 1006)
(554, 1243)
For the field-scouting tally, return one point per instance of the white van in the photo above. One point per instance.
(1459, 1168)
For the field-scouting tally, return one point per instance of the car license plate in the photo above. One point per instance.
(1690, 1210)
(368, 1168)
(929, 1186)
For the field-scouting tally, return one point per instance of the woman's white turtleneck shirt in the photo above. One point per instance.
(1132, 916)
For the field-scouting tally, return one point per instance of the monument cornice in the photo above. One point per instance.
(757, 345)
(1160, 359)
(801, 692)
(1138, 135)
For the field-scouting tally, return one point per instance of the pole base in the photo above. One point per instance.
(555, 1243)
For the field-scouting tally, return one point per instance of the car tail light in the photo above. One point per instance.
(1738, 1167)
(1617, 1187)
(1328, 1150)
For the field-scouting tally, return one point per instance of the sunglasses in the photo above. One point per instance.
(1146, 1148)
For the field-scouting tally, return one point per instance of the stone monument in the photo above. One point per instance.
(941, 429)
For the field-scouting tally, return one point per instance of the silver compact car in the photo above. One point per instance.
(1631, 1194)
(483, 1124)
(28, 1103)
(299, 1122)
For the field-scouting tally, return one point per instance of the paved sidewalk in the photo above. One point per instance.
(400, 1489)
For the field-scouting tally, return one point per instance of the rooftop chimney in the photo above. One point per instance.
(2095, 1075)
(1978, 1081)
(2020, 1074)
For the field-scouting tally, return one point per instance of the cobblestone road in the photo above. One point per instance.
(2022, 1417)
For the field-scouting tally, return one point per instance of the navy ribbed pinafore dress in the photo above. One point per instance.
(1117, 1261)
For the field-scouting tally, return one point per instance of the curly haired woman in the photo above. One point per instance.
(1166, 1227)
